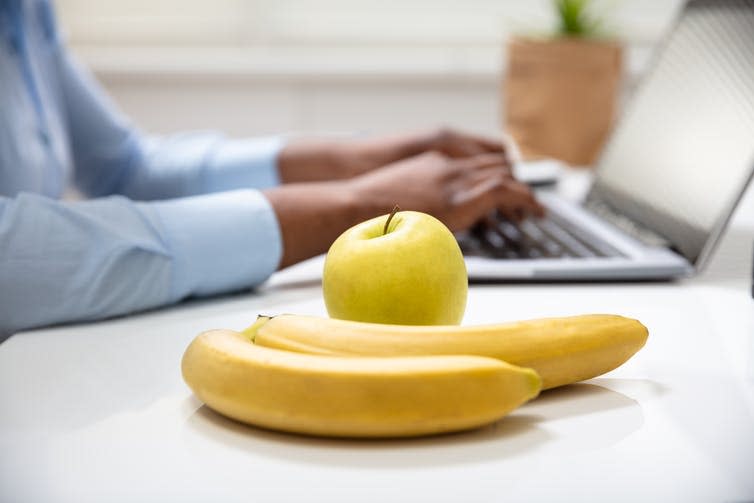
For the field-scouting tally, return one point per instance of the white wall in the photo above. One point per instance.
(262, 66)
(243, 106)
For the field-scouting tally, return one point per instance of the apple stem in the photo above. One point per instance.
(396, 209)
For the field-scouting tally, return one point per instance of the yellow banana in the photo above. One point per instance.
(561, 350)
(351, 397)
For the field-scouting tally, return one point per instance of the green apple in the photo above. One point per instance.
(405, 268)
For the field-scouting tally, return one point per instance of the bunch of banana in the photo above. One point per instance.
(330, 377)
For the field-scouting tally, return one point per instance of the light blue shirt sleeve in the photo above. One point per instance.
(171, 217)
(72, 261)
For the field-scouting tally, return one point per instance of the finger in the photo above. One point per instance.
(512, 151)
(436, 159)
(479, 143)
(497, 170)
(534, 207)
(490, 144)
(486, 190)
(516, 200)
(483, 162)
(474, 203)
(461, 148)
(509, 214)
(483, 188)
(472, 177)
(511, 210)
(519, 197)
(457, 144)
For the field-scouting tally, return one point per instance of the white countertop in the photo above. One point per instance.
(99, 412)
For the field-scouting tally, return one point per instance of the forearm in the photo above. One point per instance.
(305, 161)
(312, 215)
(326, 160)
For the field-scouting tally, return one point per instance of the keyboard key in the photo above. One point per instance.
(599, 246)
(561, 236)
(510, 231)
(550, 237)
(469, 244)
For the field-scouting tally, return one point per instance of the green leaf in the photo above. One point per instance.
(574, 18)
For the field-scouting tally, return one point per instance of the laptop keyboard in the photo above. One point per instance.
(549, 237)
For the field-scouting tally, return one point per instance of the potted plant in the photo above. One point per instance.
(561, 91)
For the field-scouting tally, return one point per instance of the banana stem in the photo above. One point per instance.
(251, 331)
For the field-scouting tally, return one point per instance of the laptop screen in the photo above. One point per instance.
(680, 157)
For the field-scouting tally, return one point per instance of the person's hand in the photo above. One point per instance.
(460, 144)
(372, 153)
(306, 161)
(458, 191)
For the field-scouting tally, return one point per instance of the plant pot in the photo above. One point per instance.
(560, 96)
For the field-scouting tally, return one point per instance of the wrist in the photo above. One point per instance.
(363, 201)
(417, 143)
(315, 161)
(312, 215)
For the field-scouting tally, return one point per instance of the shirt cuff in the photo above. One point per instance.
(244, 163)
(219, 242)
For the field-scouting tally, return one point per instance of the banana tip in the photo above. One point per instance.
(535, 382)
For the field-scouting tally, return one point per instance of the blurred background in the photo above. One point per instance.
(252, 67)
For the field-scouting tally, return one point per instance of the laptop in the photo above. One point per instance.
(669, 178)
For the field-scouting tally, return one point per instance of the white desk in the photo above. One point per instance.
(99, 412)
